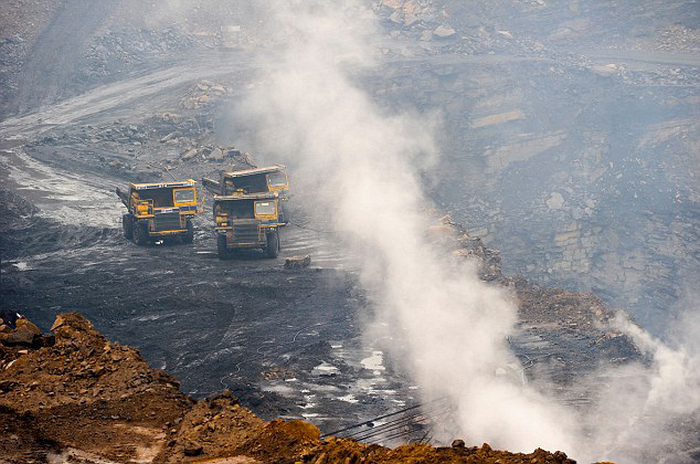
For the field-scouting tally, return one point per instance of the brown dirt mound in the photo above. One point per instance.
(79, 398)
(219, 428)
(82, 392)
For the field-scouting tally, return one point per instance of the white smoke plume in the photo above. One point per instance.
(644, 413)
(363, 163)
(453, 326)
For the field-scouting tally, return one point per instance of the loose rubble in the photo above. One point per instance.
(297, 262)
(76, 390)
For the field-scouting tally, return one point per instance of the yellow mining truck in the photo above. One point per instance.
(247, 221)
(271, 179)
(159, 211)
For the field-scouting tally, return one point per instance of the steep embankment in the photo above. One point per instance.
(73, 395)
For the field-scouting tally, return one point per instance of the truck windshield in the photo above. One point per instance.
(248, 184)
(184, 196)
(242, 209)
(277, 179)
(264, 208)
(161, 197)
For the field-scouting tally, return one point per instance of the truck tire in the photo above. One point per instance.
(188, 238)
(128, 226)
(221, 247)
(273, 244)
(140, 234)
(284, 214)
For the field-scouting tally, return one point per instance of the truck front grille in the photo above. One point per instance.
(167, 221)
(246, 233)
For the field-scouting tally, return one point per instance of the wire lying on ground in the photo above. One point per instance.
(402, 423)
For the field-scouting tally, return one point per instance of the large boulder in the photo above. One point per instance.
(444, 32)
(297, 262)
(27, 325)
(22, 336)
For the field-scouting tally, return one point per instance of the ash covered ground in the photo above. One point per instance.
(136, 96)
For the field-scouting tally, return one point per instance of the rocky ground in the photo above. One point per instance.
(73, 396)
(76, 373)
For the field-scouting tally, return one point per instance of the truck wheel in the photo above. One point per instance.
(273, 244)
(128, 226)
(140, 234)
(221, 247)
(189, 235)
(285, 217)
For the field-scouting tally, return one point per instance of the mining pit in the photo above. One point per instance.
(190, 345)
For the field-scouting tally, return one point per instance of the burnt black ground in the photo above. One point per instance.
(287, 342)
(213, 323)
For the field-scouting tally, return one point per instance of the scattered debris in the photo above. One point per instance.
(203, 94)
(444, 32)
(297, 262)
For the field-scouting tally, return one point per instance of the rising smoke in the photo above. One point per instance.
(646, 412)
(453, 326)
(364, 164)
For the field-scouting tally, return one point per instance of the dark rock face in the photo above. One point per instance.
(565, 151)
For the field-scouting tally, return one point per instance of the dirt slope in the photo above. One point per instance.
(74, 396)
(80, 391)
(45, 76)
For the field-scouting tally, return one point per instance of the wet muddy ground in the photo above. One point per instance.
(248, 324)
(288, 342)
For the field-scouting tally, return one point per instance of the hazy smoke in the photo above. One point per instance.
(363, 163)
(453, 326)
(647, 412)
(192, 15)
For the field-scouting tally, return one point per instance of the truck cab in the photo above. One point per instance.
(159, 210)
(271, 179)
(247, 221)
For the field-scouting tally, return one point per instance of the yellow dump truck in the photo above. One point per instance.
(271, 179)
(247, 221)
(159, 211)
